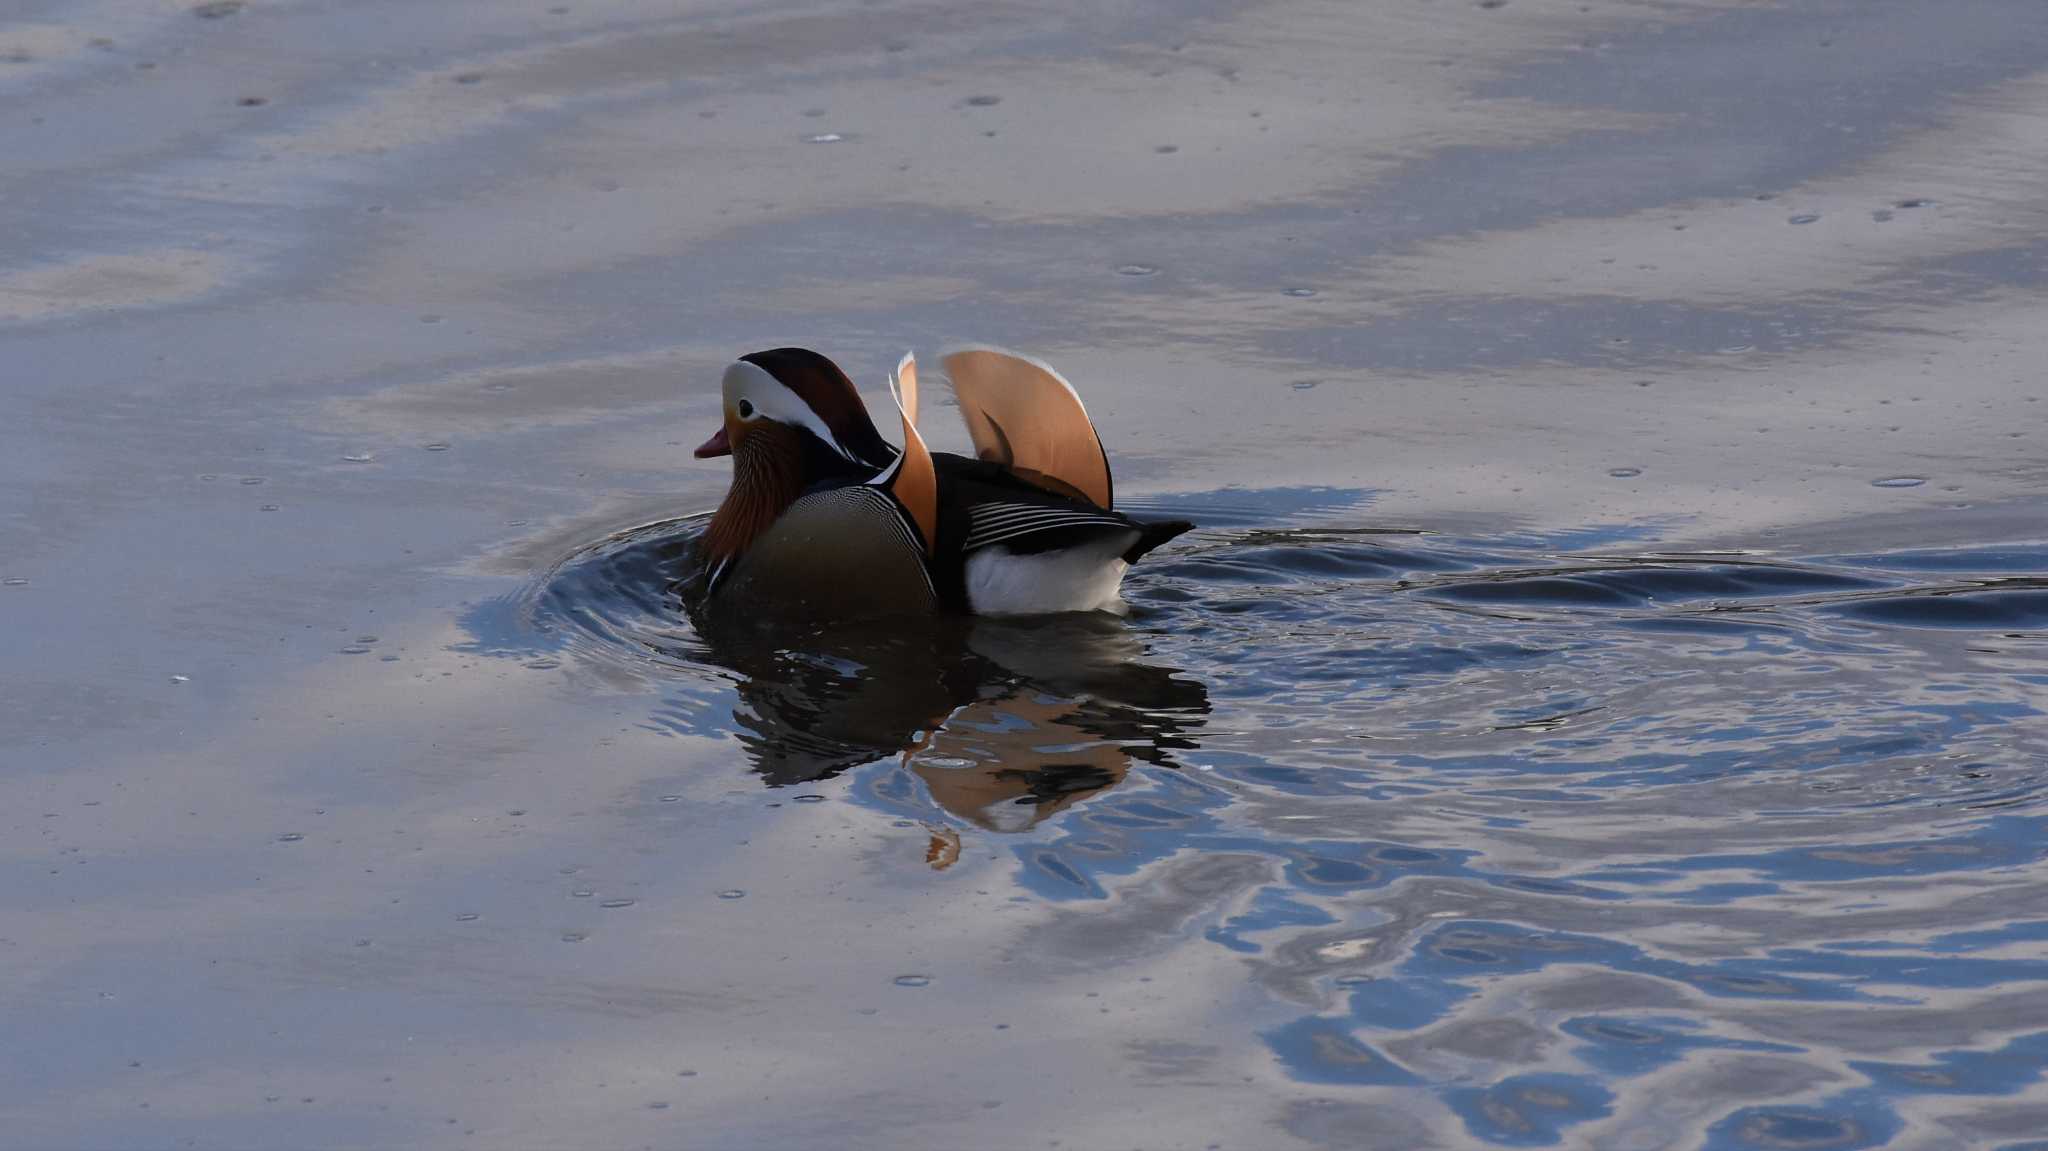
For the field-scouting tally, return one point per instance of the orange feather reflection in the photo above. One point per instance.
(1003, 723)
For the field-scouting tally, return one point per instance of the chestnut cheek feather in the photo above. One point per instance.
(766, 479)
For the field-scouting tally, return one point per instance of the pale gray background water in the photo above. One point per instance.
(328, 330)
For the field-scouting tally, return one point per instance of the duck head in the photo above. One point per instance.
(792, 421)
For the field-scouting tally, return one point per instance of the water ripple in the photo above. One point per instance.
(1522, 829)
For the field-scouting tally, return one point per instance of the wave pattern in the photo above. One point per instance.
(1514, 835)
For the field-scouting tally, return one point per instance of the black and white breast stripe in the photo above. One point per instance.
(995, 523)
(908, 531)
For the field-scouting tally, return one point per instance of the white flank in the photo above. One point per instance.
(1000, 582)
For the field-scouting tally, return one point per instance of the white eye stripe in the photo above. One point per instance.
(746, 381)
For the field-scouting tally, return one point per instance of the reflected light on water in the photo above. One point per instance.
(1629, 813)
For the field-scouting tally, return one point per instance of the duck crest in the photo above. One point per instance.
(767, 477)
(831, 397)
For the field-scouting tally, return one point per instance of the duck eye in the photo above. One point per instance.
(746, 409)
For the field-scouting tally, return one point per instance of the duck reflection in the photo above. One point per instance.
(1005, 722)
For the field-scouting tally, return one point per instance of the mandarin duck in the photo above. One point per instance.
(826, 520)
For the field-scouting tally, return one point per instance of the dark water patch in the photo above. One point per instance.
(1973, 275)
(1324, 1051)
(1849, 1122)
(1460, 952)
(1644, 581)
(2008, 1070)
(2010, 604)
(1626, 1047)
(1271, 910)
(1530, 1110)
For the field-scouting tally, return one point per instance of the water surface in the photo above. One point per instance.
(1601, 705)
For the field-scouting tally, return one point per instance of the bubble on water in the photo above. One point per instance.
(583, 893)
(357, 457)
(1804, 218)
(355, 649)
(658, 1105)
(542, 664)
(1899, 482)
(14, 581)
(810, 799)
(732, 893)
(1304, 385)
(290, 837)
(1909, 205)
(181, 679)
(387, 659)
(671, 799)
(1299, 293)
(984, 101)
(1136, 270)
(208, 477)
(468, 917)
(516, 812)
(1624, 473)
(251, 481)
(913, 981)
(1737, 349)
(615, 904)
(437, 446)
(1167, 149)
(825, 138)
(366, 638)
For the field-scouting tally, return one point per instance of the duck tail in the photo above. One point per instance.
(1151, 535)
